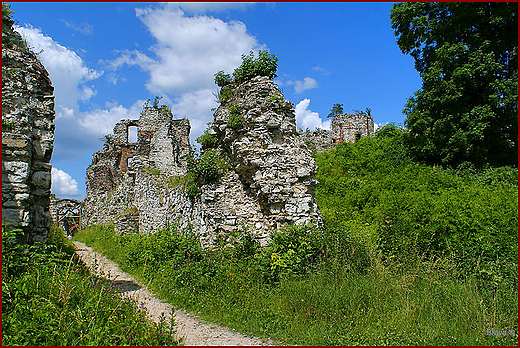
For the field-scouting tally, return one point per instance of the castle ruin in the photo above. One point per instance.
(269, 182)
(27, 137)
(344, 128)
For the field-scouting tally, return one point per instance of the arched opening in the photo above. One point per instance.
(132, 134)
(358, 136)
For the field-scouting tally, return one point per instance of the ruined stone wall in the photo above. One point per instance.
(27, 137)
(121, 168)
(344, 127)
(349, 127)
(269, 183)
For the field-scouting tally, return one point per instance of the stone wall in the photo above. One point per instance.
(27, 137)
(344, 127)
(269, 183)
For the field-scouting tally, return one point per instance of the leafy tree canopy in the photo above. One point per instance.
(265, 64)
(467, 57)
(337, 109)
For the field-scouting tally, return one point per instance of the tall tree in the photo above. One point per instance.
(337, 109)
(467, 57)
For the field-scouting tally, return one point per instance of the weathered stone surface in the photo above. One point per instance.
(344, 127)
(270, 181)
(27, 137)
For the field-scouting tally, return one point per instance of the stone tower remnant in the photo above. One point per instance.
(269, 183)
(344, 127)
(27, 137)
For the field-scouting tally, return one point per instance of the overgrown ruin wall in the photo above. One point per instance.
(27, 137)
(269, 183)
(344, 127)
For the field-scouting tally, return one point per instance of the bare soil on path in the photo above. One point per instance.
(193, 330)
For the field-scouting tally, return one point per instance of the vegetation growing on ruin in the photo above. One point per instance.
(236, 120)
(207, 140)
(49, 298)
(265, 64)
(410, 254)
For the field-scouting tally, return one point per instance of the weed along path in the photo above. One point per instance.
(190, 328)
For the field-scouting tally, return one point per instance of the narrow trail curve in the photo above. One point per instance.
(190, 328)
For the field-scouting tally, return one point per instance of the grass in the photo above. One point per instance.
(410, 254)
(50, 298)
(383, 305)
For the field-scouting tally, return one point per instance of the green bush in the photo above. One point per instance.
(210, 166)
(222, 79)
(293, 250)
(265, 64)
(411, 210)
(236, 120)
(49, 298)
(207, 140)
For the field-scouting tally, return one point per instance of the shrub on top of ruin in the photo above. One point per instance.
(236, 120)
(337, 109)
(265, 64)
(222, 79)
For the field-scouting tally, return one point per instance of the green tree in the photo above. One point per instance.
(337, 109)
(467, 57)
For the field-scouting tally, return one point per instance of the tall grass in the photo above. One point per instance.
(386, 304)
(50, 298)
(409, 255)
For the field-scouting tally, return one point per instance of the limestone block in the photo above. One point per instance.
(15, 172)
(15, 141)
(42, 179)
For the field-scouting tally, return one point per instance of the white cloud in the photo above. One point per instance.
(67, 70)
(306, 84)
(203, 7)
(196, 106)
(321, 70)
(189, 50)
(63, 184)
(99, 122)
(306, 118)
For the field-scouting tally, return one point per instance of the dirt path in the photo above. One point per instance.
(192, 329)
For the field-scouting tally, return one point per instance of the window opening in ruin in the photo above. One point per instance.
(132, 134)
(129, 161)
(358, 136)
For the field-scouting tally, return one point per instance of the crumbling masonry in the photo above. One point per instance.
(270, 181)
(344, 127)
(27, 137)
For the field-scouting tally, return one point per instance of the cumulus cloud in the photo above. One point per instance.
(306, 118)
(196, 106)
(189, 50)
(306, 84)
(67, 70)
(63, 184)
(77, 132)
(99, 122)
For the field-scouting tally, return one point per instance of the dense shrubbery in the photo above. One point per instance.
(409, 255)
(407, 208)
(265, 64)
(49, 298)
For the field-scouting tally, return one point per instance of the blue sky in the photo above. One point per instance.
(107, 59)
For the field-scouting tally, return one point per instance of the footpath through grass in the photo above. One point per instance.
(410, 255)
(50, 298)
